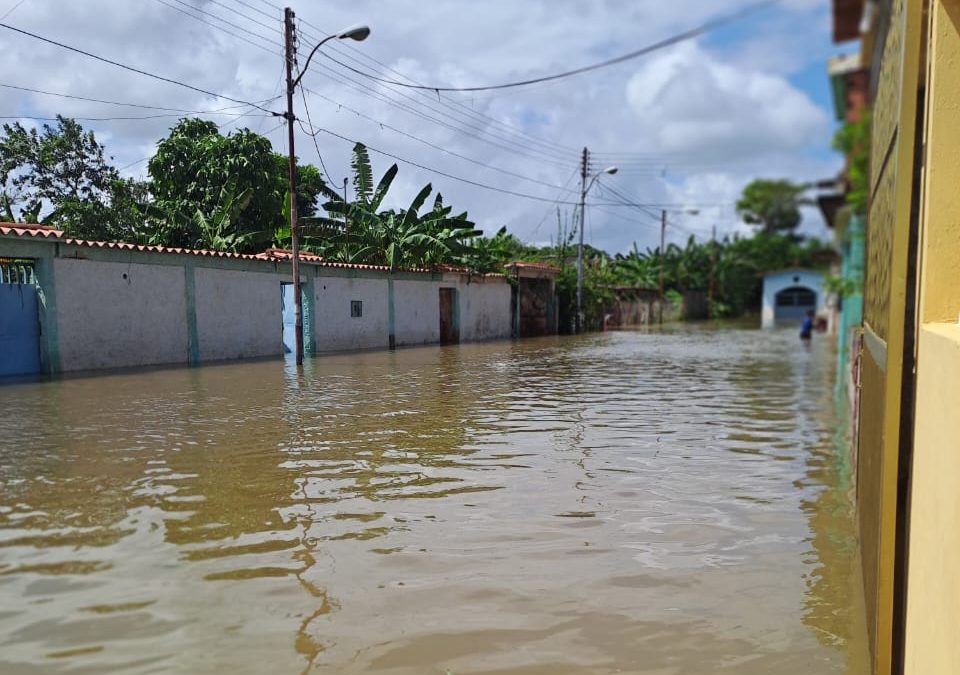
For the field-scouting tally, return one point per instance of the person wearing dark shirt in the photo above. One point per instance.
(806, 328)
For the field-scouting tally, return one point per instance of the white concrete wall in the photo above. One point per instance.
(776, 282)
(417, 310)
(334, 329)
(112, 314)
(238, 314)
(484, 310)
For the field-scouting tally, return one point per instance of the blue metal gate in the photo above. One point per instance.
(19, 321)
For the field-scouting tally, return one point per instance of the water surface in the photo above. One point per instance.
(616, 503)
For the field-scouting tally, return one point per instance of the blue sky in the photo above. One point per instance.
(702, 118)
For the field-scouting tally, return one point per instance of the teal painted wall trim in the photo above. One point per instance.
(391, 315)
(307, 295)
(193, 336)
(47, 294)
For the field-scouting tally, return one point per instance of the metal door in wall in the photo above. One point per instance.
(449, 328)
(19, 329)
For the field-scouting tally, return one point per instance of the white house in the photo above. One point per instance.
(788, 294)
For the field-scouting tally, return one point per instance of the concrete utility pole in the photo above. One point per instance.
(358, 33)
(290, 52)
(663, 236)
(583, 200)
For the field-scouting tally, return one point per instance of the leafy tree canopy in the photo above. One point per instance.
(772, 205)
(853, 140)
(223, 191)
(59, 175)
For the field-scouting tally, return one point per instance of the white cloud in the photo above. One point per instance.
(712, 116)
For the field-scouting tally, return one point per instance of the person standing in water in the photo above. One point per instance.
(806, 328)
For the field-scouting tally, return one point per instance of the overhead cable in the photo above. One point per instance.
(136, 70)
(656, 46)
(447, 103)
(384, 125)
(213, 25)
(505, 144)
(218, 111)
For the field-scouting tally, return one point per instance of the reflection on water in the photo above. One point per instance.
(623, 502)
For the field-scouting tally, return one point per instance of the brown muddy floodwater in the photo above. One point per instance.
(616, 503)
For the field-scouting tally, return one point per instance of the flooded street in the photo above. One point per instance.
(612, 503)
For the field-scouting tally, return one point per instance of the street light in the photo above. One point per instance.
(358, 33)
(663, 236)
(585, 188)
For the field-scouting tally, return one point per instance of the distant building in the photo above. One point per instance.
(789, 294)
(534, 304)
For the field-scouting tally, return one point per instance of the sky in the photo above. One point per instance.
(687, 126)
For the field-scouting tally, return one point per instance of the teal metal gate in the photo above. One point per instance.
(19, 319)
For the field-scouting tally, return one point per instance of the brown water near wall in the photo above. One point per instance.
(614, 503)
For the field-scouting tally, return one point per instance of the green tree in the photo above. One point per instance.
(772, 205)
(62, 168)
(236, 184)
(853, 140)
(397, 239)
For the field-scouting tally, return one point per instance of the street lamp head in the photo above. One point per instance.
(693, 212)
(358, 33)
(611, 170)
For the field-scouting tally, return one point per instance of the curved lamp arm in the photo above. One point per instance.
(358, 33)
(609, 170)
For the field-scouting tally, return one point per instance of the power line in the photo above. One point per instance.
(656, 46)
(259, 11)
(96, 119)
(212, 25)
(515, 148)
(12, 9)
(136, 70)
(384, 125)
(222, 20)
(550, 208)
(306, 108)
(248, 17)
(444, 174)
(467, 181)
(218, 111)
(220, 127)
(452, 105)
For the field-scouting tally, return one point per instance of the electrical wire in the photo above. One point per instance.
(222, 20)
(213, 25)
(220, 127)
(218, 111)
(259, 11)
(443, 173)
(96, 119)
(136, 70)
(379, 96)
(451, 105)
(274, 28)
(316, 145)
(12, 10)
(551, 207)
(385, 125)
(656, 46)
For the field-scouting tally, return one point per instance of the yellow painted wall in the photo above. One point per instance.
(886, 297)
(933, 589)
(932, 629)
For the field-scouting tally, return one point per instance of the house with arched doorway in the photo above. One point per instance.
(789, 294)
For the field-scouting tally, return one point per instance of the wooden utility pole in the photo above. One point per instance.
(713, 265)
(663, 236)
(346, 219)
(583, 201)
(288, 29)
